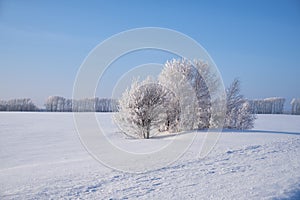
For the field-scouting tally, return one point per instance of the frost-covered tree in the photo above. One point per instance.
(106, 105)
(245, 118)
(205, 96)
(295, 106)
(68, 105)
(55, 104)
(142, 109)
(186, 79)
(3, 105)
(172, 114)
(238, 113)
(175, 76)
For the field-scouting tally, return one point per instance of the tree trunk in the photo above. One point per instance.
(148, 132)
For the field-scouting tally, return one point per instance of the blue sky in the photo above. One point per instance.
(43, 43)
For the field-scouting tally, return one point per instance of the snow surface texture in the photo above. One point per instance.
(41, 157)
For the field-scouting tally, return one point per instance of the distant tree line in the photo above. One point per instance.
(273, 105)
(24, 104)
(61, 104)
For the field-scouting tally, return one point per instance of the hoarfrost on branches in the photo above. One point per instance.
(238, 114)
(143, 109)
(180, 101)
(185, 79)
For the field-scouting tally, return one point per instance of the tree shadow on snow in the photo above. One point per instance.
(206, 131)
(180, 133)
(261, 131)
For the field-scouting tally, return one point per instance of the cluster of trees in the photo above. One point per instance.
(273, 105)
(61, 104)
(295, 106)
(24, 104)
(179, 100)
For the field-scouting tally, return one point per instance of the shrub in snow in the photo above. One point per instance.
(238, 114)
(143, 109)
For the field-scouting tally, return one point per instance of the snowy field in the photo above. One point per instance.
(41, 157)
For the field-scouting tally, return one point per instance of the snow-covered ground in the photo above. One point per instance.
(41, 157)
